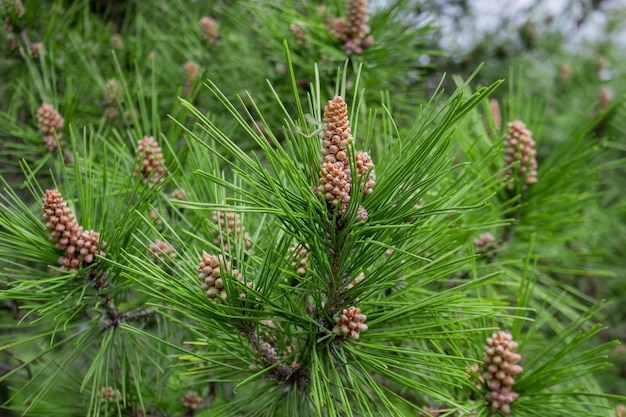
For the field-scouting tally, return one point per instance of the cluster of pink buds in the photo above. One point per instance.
(300, 258)
(50, 124)
(191, 69)
(353, 30)
(300, 34)
(12, 8)
(499, 369)
(160, 251)
(335, 175)
(365, 168)
(81, 247)
(230, 224)
(350, 323)
(212, 272)
(520, 147)
(112, 99)
(191, 400)
(208, 28)
(151, 160)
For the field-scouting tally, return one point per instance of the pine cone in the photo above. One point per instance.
(160, 251)
(363, 165)
(83, 252)
(60, 221)
(350, 323)
(230, 223)
(213, 270)
(152, 160)
(208, 27)
(50, 124)
(336, 185)
(519, 146)
(12, 8)
(191, 400)
(300, 258)
(500, 367)
(337, 135)
(112, 99)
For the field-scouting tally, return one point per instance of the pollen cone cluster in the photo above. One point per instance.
(160, 251)
(350, 323)
(112, 99)
(335, 175)
(208, 28)
(81, 247)
(151, 160)
(212, 272)
(50, 124)
(365, 168)
(499, 369)
(230, 224)
(191, 69)
(353, 30)
(300, 259)
(12, 8)
(519, 146)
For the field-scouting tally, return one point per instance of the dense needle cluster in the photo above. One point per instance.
(520, 147)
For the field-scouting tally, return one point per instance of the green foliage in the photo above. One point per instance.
(380, 305)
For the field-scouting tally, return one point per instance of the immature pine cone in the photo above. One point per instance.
(159, 251)
(337, 135)
(363, 165)
(353, 30)
(152, 160)
(335, 177)
(500, 367)
(60, 221)
(300, 258)
(299, 33)
(50, 124)
(191, 68)
(230, 223)
(362, 215)
(495, 113)
(83, 252)
(12, 8)
(209, 29)
(484, 239)
(350, 323)
(212, 271)
(112, 99)
(110, 394)
(519, 146)
(336, 185)
(178, 194)
(191, 400)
